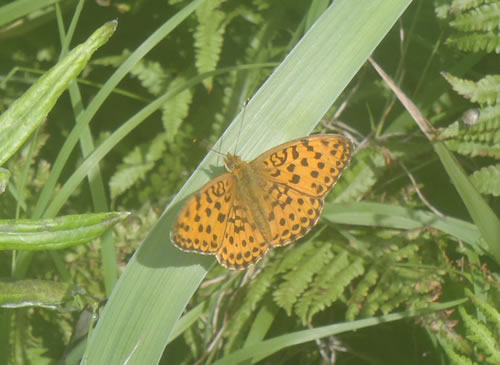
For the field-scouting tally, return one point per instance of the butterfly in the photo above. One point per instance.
(269, 202)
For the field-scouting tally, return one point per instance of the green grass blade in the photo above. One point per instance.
(395, 217)
(261, 350)
(482, 215)
(147, 301)
(17, 9)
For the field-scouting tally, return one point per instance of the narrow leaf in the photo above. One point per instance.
(38, 293)
(55, 233)
(28, 112)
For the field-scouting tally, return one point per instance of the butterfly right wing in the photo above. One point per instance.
(202, 222)
(295, 177)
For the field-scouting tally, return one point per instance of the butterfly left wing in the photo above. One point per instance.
(202, 222)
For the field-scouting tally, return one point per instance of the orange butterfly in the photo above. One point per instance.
(271, 201)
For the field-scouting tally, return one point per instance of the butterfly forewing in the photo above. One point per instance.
(311, 165)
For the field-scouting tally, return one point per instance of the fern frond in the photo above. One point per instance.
(365, 170)
(485, 18)
(481, 336)
(448, 337)
(360, 293)
(486, 90)
(403, 253)
(475, 42)
(487, 180)
(482, 139)
(479, 26)
(488, 113)
(468, 4)
(135, 165)
(331, 285)
(151, 75)
(296, 281)
(491, 313)
(455, 358)
(209, 37)
(375, 299)
(176, 109)
(395, 286)
(292, 258)
(396, 295)
(320, 286)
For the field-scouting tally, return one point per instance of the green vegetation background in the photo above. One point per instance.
(376, 259)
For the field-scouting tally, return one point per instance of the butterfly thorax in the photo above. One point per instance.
(249, 189)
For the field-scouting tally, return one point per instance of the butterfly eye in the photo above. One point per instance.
(231, 162)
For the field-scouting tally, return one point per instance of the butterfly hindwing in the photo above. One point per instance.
(292, 214)
(242, 244)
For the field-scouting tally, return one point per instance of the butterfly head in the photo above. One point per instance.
(231, 162)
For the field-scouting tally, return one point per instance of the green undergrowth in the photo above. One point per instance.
(395, 237)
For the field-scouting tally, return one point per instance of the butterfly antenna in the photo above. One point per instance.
(241, 124)
(219, 152)
(207, 146)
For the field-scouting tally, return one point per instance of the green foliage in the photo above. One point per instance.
(248, 303)
(370, 164)
(209, 37)
(487, 180)
(479, 135)
(375, 271)
(468, 4)
(339, 273)
(136, 164)
(484, 91)
(330, 287)
(482, 139)
(175, 110)
(477, 22)
(296, 281)
(481, 333)
(479, 17)
(488, 42)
